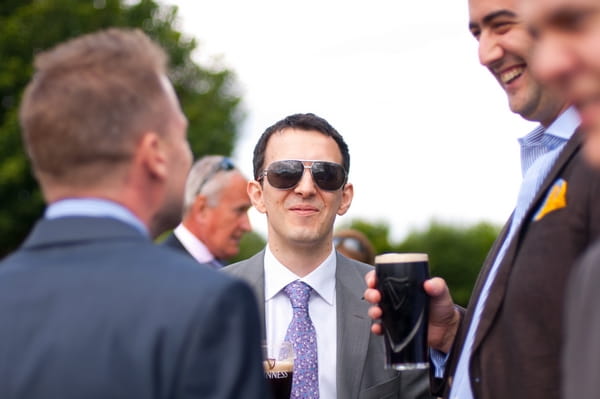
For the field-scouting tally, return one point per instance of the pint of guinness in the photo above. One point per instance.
(279, 369)
(405, 306)
(279, 377)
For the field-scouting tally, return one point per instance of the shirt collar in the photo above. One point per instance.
(192, 244)
(321, 280)
(94, 207)
(563, 127)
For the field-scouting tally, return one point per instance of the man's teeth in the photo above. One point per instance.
(511, 75)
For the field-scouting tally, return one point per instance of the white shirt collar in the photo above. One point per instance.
(193, 245)
(321, 280)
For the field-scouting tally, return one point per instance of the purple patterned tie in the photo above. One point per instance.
(301, 333)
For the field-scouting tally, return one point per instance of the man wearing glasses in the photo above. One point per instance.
(215, 215)
(311, 295)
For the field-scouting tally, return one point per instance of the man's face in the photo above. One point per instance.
(566, 56)
(179, 161)
(504, 46)
(226, 223)
(303, 215)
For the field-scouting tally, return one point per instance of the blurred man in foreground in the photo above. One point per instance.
(567, 56)
(91, 307)
(215, 215)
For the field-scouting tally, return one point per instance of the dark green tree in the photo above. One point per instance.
(378, 233)
(207, 94)
(250, 244)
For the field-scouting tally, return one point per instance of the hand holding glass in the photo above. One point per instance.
(405, 306)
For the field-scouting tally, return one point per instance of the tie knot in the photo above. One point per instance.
(299, 293)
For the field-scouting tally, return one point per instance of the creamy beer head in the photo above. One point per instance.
(401, 258)
(278, 365)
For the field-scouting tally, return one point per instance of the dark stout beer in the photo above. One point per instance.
(405, 306)
(279, 375)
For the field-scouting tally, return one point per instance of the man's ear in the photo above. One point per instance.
(255, 192)
(198, 207)
(152, 154)
(347, 195)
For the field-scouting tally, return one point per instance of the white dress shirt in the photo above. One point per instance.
(321, 308)
(193, 245)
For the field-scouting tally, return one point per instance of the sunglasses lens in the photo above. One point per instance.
(285, 174)
(328, 175)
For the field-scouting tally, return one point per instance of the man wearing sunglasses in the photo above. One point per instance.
(310, 294)
(215, 215)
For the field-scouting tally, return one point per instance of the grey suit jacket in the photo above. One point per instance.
(91, 308)
(581, 351)
(360, 354)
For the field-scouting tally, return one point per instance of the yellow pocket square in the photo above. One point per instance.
(556, 199)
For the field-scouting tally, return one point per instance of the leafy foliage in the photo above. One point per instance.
(207, 94)
(250, 244)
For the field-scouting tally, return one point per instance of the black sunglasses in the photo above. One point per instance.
(286, 174)
(224, 164)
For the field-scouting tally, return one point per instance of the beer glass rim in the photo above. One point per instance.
(401, 257)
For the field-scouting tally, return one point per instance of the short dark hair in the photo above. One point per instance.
(306, 122)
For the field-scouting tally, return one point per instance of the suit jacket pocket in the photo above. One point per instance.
(413, 384)
(390, 389)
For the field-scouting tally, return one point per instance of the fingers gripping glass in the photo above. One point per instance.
(224, 164)
(287, 174)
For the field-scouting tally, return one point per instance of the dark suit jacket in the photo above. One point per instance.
(581, 353)
(360, 355)
(518, 341)
(173, 242)
(93, 309)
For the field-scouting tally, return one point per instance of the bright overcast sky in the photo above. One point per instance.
(429, 129)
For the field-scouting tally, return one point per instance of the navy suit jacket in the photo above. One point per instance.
(173, 242)
(91, 308)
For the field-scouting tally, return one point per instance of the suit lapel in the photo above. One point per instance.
(254, 274)
(353, 328)
(498, 288)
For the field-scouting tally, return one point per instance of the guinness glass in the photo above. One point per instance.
(405, 305)
(279, 369)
